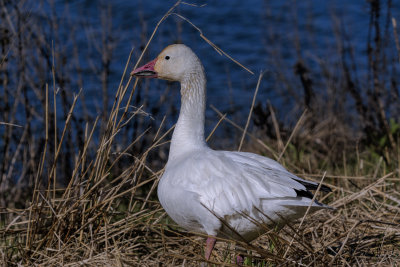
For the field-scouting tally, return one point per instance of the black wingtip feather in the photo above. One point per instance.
(310, 186)
(325, 188)
(304, 193)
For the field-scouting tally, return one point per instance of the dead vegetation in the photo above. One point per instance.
(84, 194)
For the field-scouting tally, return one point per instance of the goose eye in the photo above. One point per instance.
(167, 57)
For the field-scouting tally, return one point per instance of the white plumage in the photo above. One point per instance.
(219, 193)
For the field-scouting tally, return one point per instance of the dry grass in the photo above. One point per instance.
(100, 220)
(108, 216)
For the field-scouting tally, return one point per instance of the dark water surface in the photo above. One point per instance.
(262, 35)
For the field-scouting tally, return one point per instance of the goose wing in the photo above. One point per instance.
(232, 182)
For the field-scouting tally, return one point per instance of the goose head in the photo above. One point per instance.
(175, 63)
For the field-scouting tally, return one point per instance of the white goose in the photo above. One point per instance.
(219, 193)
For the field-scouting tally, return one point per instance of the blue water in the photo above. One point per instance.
(263, 35)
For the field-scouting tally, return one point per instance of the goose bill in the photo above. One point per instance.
(146, 73)
(146, 70)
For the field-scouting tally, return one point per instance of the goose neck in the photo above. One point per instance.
(189, 130)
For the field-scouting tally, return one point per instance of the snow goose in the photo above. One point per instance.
(219, 193)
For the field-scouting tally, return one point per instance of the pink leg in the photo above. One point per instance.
(239, 260)
(209, 246)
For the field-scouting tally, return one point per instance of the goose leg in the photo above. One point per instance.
(239, 256)
(209, 247)
(239, 260)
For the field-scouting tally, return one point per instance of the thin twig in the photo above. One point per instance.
(296, 127)
(219, 50)
(251, 110)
